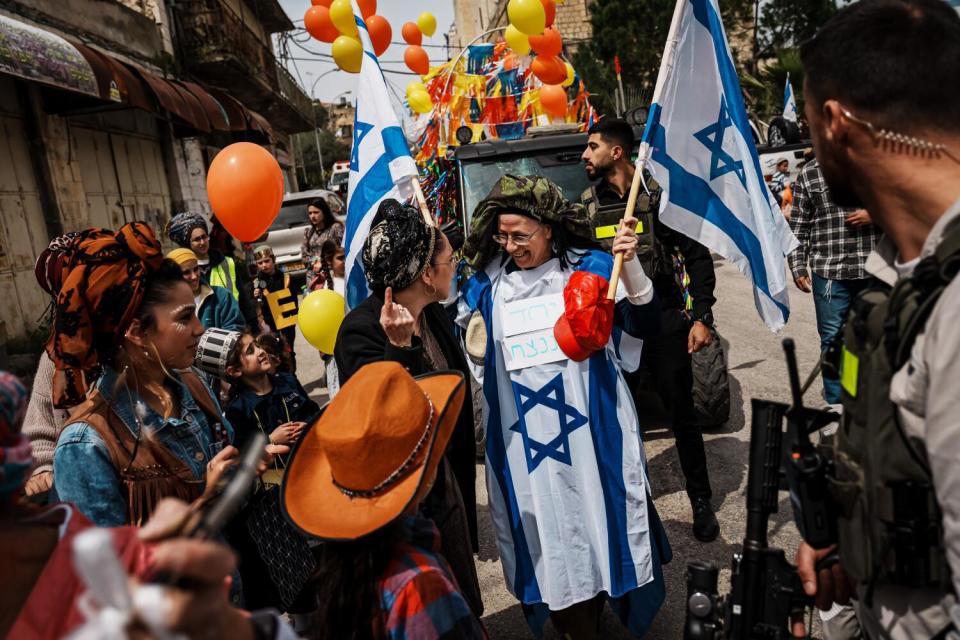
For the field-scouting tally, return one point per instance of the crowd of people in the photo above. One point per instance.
(363, 519)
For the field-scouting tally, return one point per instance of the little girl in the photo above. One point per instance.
(276, 404)
(262, 398)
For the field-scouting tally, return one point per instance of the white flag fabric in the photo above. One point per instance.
(789, 102)
(380, 163)
(702, 154)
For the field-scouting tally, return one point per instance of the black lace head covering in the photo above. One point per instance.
(398, 248)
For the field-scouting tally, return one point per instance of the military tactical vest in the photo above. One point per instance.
(890, 528)
(606, 219)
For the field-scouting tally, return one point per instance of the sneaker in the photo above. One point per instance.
(705, 525)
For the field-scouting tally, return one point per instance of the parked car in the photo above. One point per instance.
(286, 233)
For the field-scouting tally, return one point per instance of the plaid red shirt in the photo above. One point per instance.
(419, 597)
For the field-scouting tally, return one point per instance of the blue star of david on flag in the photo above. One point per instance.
(712, 138)
(551, 396)
(360, 130)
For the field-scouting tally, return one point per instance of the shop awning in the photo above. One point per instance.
(115, 81)
(40, 56)
(216, 114)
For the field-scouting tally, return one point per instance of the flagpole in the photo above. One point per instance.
(666, 66)
(422, 201)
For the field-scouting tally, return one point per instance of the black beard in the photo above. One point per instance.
(842, 193)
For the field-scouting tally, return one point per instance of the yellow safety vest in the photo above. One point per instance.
(226, 278)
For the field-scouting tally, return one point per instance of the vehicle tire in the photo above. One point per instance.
(711, 385)
(782, 132)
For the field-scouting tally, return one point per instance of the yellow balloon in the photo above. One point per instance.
(420, 101)
(319, 318)
(517, 41)
(347, 53)
(571, 75)
(528, 16)
(416, 86)
(427, 23)
(341, 15)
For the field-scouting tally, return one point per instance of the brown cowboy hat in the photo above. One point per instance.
(363, 461)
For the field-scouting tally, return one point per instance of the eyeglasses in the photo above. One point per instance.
(452, 261)
(519, 239)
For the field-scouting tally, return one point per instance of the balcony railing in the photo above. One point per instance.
(222, 48)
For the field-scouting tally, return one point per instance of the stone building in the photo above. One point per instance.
(112, 110)
(473, 17)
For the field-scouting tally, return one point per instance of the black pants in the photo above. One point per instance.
(665, 357)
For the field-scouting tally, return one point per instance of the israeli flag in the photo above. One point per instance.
(789, 102)
(380, 163)
(698, 145)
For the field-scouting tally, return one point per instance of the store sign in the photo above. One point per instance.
(40, 56)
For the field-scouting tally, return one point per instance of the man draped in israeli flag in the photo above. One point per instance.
(380, 163)
(566, 476)
(701, 151)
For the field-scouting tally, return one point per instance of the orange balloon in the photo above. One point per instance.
(411, 34)
(245, 189)
(554, 99)
(549, 69)
(419, 62)
(367, 8)
(549, 44)
(380, 33)
(318, 24)
(549, 8)
(321, 3)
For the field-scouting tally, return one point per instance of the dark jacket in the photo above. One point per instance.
(287, 398)
(362, 340)
(696, 258)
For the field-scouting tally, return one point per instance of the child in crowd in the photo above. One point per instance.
(327, 269)
(277, 303)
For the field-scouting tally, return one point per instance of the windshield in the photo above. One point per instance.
(479, 178)
(338, 179)
(292, 214)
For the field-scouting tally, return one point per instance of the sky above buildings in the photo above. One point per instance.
(308, 67)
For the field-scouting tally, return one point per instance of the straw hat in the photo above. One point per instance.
(363, 462)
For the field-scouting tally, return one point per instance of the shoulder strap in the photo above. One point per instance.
(589, 199)
(116, 437)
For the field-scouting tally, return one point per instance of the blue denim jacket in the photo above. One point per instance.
(83, 473)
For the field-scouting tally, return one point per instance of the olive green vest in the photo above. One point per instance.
(890, 526)
(606, 219)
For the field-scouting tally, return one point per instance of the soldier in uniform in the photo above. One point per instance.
(885, 123)
(667, 357)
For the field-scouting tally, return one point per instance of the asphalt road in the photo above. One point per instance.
(757, 369)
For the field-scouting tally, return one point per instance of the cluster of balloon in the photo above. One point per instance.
(415, 56)
(245, 189)
(418, 98)
(333, 21)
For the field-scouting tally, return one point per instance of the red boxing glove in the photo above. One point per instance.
(587, 322)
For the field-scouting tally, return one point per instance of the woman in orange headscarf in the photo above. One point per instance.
(124, 339)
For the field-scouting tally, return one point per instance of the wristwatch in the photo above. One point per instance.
(706, 318)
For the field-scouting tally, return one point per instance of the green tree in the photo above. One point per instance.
(785, 24)
(635, 30)
(305, 148)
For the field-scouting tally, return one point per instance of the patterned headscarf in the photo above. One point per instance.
(50, 262)
(104, 276)
(182, 225)
(16, 458)
(398, 249)
(534, 196)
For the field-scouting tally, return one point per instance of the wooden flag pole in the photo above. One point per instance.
(422, 201)
(666, 65)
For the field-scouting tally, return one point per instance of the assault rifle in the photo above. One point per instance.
(765, 590)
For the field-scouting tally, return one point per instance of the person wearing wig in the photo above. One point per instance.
(125, 338)
(569, 493)
(410, 267)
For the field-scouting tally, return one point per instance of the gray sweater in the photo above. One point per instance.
(43, 423)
